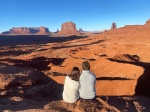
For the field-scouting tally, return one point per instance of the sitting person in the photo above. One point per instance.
(71, 86)
(87, 83)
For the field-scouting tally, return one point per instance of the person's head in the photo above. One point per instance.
(85, 65)
(75, 74)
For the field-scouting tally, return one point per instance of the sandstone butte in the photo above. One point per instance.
(28, 31)
(113, 26)
(68, 29)
(32, 71)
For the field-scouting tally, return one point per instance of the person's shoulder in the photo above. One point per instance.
(82, 74)
(92, 74)
(68, 78)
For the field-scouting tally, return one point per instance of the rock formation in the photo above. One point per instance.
(80, 29)
(21, 30)
(68, 28)
(147, 23)
(43, 30)
(57, 31)
(26, 82)
(37, 71)
(113, 26)
(28, 30)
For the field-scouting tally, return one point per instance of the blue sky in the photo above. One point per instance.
(90, 15)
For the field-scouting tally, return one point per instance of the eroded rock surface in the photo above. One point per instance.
(26, 82)
(68, 28)
(28, 30)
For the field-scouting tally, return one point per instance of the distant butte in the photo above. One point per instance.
(113, 26)
(68, 28)
(28, 30)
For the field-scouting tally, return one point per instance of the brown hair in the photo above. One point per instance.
(85, 65)
(75, 74)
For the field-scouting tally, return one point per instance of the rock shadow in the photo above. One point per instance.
(99, 41)
(57, 74)
(14, 40)
(13, 53)
(112, 78)
(27, 85)
(142, 87)
(39, 63)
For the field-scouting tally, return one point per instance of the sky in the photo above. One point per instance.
(90, 15)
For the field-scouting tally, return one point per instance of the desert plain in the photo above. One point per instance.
(120, 59)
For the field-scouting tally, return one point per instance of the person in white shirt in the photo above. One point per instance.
(71, 86)
(87, 82)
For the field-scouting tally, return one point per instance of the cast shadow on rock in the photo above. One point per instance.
(14, 40)
(13, 53)
(39, 63)
(27, 84)
(112, 78)
(142, 86)
(99, 41)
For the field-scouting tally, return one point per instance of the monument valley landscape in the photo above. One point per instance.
(33, 68)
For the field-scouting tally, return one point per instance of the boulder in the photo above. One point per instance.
(95, 105)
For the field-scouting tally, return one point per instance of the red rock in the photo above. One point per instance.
(68, 28)
(147, 23)
(113, 26)
(43, 31)
(28, 30)
(20, 30)
(27, 82)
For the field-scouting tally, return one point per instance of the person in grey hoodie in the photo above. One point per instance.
(87, 81)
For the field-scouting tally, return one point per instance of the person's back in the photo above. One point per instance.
(71, 86)
(87, 82)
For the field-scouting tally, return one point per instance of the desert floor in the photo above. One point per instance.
(120, 61)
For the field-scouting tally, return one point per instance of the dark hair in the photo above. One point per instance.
(75, 74)
(85, 65)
